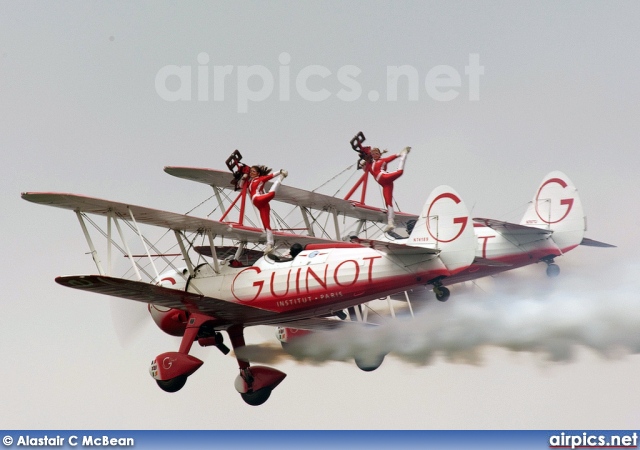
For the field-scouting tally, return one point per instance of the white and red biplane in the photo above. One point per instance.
(311, 290)
(328, 276)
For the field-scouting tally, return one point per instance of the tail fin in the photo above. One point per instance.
(445, 225)
(557, 207)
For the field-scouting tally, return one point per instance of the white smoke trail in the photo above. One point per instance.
(592, 312)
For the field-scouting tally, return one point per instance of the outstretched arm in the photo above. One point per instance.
(272, 175)
(389, 158)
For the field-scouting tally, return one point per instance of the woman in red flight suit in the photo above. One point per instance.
(378, 168)
(258, 176)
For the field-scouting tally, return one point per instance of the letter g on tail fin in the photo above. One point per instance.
(556, 206)
(445, 225)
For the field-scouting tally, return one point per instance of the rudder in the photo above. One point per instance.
(556, 206)
(445, 225)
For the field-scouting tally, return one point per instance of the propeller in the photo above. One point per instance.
(129, 320)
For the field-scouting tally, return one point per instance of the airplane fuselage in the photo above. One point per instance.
(495, 247)
(317, 281)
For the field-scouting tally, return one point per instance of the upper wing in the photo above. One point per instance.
(518, 234)
(165, 219)
(212, 177)
(225, 312)
(292, 196)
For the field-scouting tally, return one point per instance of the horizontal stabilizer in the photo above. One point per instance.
(593, 243)
(512, 228)
(516, 233)
(392, 247)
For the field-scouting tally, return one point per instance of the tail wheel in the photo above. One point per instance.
(369, 365)
(173, 384)
(256, 398)
(553, 270)
(442, 293)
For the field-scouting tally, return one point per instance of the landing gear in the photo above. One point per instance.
(171, 369)
(442, 293)
(553, 270)
(173, 384)
(254, 384)
(256, 398)
(369, 364)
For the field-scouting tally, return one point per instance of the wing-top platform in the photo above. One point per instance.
(291, 195)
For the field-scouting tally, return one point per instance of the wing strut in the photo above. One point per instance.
(109, 243)
(126, 247)
(336, 224)
(406, 295)
(240, 250)
(94, 253)
(216, 191)
(187, 260)
(146, 248)
(305, 217)
(214, 255)
(391, 309)
(183, 250)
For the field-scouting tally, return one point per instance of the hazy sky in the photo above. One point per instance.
(84, 109)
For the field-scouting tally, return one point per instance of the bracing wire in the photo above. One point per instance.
(333, 178)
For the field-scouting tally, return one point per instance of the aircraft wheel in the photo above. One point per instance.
(553, 270)
(258, 397)
(442, 293)
(172, 385)
(369, 365)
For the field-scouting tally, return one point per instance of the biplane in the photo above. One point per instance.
(553, 224)
(211, 288)
(308, 290)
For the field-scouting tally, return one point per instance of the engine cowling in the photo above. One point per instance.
(171, 321)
